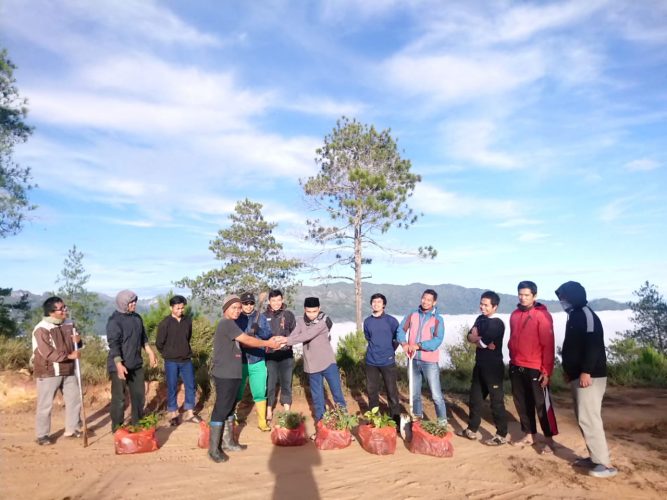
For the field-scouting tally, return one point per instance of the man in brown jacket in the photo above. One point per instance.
(54, 353)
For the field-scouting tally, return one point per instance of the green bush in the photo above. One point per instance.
(14, 352)
(350, 357)
(94, 360)
(646, 368)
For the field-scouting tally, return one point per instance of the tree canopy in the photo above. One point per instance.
(363, 186)
(650, 318)
(14, 179)
(252, 260)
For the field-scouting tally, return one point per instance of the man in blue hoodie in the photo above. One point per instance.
(380, 331)
(585, 368)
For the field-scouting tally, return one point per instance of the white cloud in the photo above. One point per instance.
(472, 140)
(532, 236)
(614, 210)
(641, 165)
(457, 78)
(432, 200)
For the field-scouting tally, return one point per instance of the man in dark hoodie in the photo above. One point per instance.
(532, 352)
(585, 368)
(126, 337)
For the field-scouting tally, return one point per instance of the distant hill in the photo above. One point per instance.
(338, 300)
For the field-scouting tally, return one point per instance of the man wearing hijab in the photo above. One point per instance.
(126, 337)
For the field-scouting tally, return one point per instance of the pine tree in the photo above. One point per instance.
(252, 260)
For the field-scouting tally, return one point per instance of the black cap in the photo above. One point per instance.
(247, 297)
(311, 302)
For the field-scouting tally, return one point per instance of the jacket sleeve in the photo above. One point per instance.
(162, 335)
(144, 337)
(546, 338)
(46, 349)
(290, 323)
(264, 332)
(434, 343)
(400, 333)
(592, 340)
(494, 331)
(302, 334)
(115, 340)
(367, 334)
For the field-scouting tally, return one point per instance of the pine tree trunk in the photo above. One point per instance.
(357, 275)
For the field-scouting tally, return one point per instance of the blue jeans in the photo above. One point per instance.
(431, 371)
(185, 369)
(316, 381)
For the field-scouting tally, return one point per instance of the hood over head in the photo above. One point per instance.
(123, 299)
(573, 293)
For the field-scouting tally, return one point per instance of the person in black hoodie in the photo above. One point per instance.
(585, 368)
(126, 337)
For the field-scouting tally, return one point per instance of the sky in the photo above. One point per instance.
(539, 130)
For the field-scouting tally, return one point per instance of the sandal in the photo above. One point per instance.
(173, 422)
(467, 433)
(496, 441)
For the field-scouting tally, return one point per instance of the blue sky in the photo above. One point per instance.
(539, 129)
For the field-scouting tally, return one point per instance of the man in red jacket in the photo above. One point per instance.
(531, 347)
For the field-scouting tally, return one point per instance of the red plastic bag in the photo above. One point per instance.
(379, 441)
(281, 436)
(204, 431)
(331, 439)
(127, 442)
(428, 444)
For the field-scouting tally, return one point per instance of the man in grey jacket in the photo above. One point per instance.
(319, 360)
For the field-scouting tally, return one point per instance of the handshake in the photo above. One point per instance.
(277, 342)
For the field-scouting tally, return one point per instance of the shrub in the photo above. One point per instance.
(379, 420)
(14, 352)
(438, 429)
(94, 360)
(647, 367)
(350, 357)
(337, 418)
(289, 419)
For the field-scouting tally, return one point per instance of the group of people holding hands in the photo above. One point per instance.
(255, 346)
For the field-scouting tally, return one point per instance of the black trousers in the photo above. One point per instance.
(389, 375)
(134, 380)
(530, 398)
(225, 398)
(487, 380)
(279, 372)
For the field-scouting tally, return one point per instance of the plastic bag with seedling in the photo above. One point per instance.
(333, 430)
(289, 429)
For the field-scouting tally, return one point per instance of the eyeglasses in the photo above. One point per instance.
(59, 309)
(248, 303)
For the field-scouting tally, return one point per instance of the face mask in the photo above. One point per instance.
(565, 305)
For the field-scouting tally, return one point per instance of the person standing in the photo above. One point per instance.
(421, 333)
(126, 337)
(380, 331)
(531, 348)
(53, 347)
(253, 358)
(279, 363)
(319, 361)
(173, 342)
(487, 376)
(585, 368)
(226, 371)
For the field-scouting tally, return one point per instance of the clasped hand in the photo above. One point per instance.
(278, 342)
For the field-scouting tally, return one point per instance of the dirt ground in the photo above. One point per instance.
(635, 422)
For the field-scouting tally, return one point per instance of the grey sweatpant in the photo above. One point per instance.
(46, 391)
(588, 410)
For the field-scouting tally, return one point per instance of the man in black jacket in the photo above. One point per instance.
(585, 368)
(126, 337)
(173, 341)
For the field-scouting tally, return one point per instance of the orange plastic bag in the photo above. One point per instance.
(127, 442)
(331, 439)
(204, 431)
(379, 441)
(281, 436)
(428, 444)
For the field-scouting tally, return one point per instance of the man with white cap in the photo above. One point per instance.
(127, 337)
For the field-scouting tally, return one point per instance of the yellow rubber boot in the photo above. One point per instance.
(260, 408)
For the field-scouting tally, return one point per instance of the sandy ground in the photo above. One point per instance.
(635, 422)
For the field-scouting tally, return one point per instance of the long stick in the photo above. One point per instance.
(83, 406)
